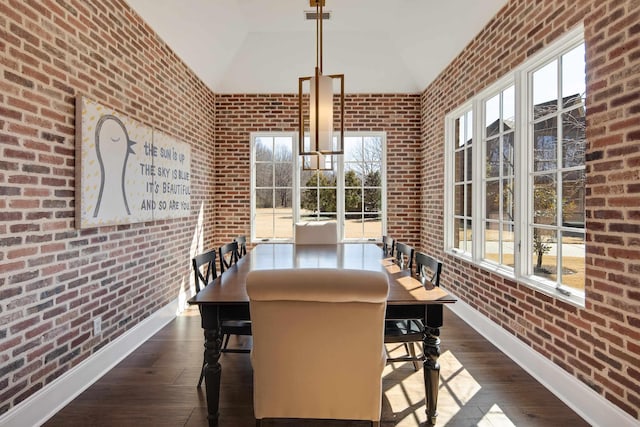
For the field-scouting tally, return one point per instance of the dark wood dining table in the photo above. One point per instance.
(225, 298)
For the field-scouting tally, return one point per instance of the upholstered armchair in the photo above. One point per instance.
(316, 233)
(318, 343)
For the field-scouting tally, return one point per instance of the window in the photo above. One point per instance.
(363, 187)
(462, 182)
(528, 220)
(498, 135)
(350, 188)
(273, 187)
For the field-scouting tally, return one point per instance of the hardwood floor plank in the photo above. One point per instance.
(156, 386)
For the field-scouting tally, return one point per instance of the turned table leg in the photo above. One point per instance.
(212, 369)
(431, 367)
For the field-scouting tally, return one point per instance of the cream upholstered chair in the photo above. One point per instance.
(316, 233)
(318, 343)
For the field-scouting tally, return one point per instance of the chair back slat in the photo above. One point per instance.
(228, 255)
(404, 255)
(388, 245)
(242, 245)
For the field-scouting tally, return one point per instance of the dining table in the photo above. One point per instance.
(225, 298)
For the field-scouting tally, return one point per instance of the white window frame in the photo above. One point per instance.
(340, 187)
(523, 140)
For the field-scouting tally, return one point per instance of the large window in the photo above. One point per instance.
(349, 188)
(273, 187)
(363, 161)
(525, 216)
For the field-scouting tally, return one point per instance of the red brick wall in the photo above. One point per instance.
(597, 344)
(239, 115)
(55, 279)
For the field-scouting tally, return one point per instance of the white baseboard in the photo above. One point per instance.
(592, 407)
(41, 406)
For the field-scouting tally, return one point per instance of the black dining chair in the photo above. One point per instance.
(242, 245)
(228, 255)
(410, 331)
(204, 271)
(388, 245)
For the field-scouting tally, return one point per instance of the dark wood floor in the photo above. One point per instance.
(156, 386)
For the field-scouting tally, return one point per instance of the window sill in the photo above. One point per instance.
(537, 285)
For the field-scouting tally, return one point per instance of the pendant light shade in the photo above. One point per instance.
(320, 106)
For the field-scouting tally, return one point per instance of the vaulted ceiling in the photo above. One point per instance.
(263, 46)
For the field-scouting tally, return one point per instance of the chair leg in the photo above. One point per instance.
(226, 341)
(201, 373)
(258, 422)
(412, 351)
(375, 423)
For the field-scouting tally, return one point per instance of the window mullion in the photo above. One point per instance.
(477, 200)
(522, 182)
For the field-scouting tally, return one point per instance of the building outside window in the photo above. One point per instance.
(516, 203)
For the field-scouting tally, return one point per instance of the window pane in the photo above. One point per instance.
(573, 138)
(282, 198)
(372, 199)
(353, 225)
(459, 166)
(545, 139)
(507, 154)
(493, 158)
(372, 225)
(459, 234)
(573, 255)
(573, 76)
(507, 199)
(264, 224)
(468, 196)
(573, 199)
(545, 90)
(352, 149)
(469, 163)
(492, 116)
(460, 132)
(493, 200)
(544, 199)
(282, 149)
(458, 202)
(308, 201)
(492, 241)
(283, 222)
(353, 200)
(544, 253)
(264, 174)
(264, 198)
(508, 108)
(264, 149)
(508, 245)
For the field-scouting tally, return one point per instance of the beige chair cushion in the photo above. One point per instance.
(316, 233)
(318, 343)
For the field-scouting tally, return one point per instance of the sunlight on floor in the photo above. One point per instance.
(495, 417)
(404, 392)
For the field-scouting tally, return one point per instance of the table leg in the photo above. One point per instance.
(431, 367)
(212, 369)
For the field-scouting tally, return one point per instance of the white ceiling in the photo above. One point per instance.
(263, 46)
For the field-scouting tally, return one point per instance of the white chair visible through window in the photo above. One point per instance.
(318, 343)
(316, 233)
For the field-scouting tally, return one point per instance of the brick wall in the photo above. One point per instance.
(55, 279)
(239, 115)
(597, 344)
